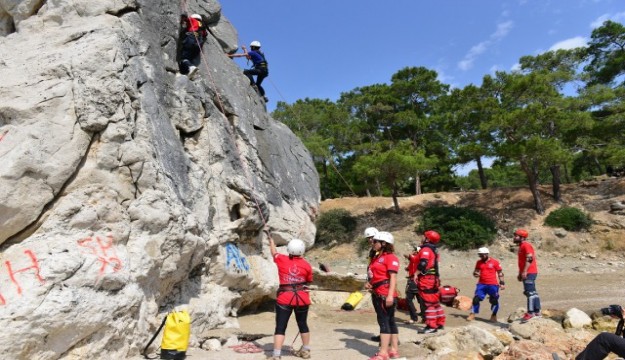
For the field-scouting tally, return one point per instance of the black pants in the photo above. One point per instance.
(190, 51)
(412, 293)
(283, 314)
(601, 346)
(385, 315)
(260, 74)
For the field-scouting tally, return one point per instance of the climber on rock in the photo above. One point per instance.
(193, 36)
(259, 67)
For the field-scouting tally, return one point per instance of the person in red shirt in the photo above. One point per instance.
(382, 283)
(195, 34)
(528, 271)
(428, 283)
(412, 291)
(294, 273)
(490, 275)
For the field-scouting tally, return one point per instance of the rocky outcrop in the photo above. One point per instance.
(125, 188)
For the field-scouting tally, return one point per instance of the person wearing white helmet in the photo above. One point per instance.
(259, 68)
(369, 234)
(490, 275)
(195, 33)
(295, 273)
(382, 282)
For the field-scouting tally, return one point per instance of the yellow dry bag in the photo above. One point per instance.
(176, 335)
(352, 301)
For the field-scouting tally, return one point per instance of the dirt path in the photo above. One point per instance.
(344, 335)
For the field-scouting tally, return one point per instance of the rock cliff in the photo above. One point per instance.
(127, 189)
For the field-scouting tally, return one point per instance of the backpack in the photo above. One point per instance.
(448, 294)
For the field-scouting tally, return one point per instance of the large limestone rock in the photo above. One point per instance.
(125, 188)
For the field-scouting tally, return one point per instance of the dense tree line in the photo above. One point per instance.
(558, 118)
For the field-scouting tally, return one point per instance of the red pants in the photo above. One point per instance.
(434, 314)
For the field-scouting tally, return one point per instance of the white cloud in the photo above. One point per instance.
(515, 67)
(572, 43)
(502, 31)
(618, 17)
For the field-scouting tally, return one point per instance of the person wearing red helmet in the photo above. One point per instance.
(528, 271)
(428, 283)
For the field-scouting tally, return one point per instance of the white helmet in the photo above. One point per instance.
(255, 43)
(387, 237)
(370, 231)
(197, 16)
(296, 247)
(483, 250)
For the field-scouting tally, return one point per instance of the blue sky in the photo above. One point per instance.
(321, 48)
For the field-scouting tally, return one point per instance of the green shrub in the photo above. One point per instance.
(460, 228)
(569, 218)
(335, 224)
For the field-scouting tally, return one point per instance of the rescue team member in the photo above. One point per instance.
(382, 275)
(412, 290)
(295, 273)
(259, 67)
(489, 271)
(428, 283)
(528, 271)
(369, 234)
(194, 36)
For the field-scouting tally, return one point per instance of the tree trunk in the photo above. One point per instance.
(326, 190)
(417, 184)
(555, 182)
(377, 186)
(368, 192)
(566, 174)
(596, 161)
(395, 200)
(480, 171)
(532, 179)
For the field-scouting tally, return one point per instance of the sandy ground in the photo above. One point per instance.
(343, 335)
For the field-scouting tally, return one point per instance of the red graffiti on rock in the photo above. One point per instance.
(12, 271)
(105, 252)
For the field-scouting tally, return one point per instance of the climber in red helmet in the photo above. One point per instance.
(428, 283)
(528, 271)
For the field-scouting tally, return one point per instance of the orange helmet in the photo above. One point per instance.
(522, 233)
(432, 236)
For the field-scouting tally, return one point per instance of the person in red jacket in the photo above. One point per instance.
(295, 273)
(428, 283)
(412, 291)
(194, 36)
(528, 271)
(382, 275)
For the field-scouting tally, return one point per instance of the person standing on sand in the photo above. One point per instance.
(295, 273)
(428, 282)
(412, 291)
(490, 275)
(382, 275)
(528, 271)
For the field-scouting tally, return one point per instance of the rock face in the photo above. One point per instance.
(125, 188)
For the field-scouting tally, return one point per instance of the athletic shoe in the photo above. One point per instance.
(266, 99)
(441, 327)
(192, 71)
(393, 354)
(528, 316)
(493, 318)
(379, 357)
(471, 317)
(303, 353)
(410, 322)
(427, 330)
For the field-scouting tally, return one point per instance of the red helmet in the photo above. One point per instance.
(432, 236)
(522, 233)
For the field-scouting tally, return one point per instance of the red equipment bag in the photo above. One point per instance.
(448, 294)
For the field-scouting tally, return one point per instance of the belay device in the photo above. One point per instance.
(176, 335)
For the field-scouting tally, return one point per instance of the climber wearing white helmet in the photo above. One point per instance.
(490, 275)
(259, 68)
(382, 283)
(369, 234)
(194, 34)
(295, 273)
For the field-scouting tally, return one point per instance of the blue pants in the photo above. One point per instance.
(493, 295)
(529, 289)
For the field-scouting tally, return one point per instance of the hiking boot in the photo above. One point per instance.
(493, 318)
(428, 330)
(441, 327)
(471, 317)
(303, 353)
(192, 72)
